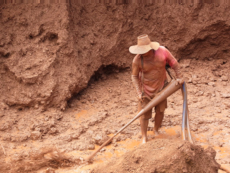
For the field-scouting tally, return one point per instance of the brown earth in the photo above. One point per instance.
(104, 107)
(60, 46)
(50, 52)
(164, 155)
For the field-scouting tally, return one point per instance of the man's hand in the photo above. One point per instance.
(141, 98)
(179, 81)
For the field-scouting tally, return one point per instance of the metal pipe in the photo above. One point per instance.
(161, 96)
(166, 92)
(187, 117)
(185, 128)
(183, 114)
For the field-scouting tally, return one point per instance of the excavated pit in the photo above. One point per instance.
(74, 57)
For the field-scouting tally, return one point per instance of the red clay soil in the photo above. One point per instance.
(164, 156)
(49, 52)
(104, 107)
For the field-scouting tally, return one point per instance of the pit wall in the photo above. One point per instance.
(49, 52)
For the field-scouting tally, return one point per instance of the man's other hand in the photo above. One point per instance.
(179, 81)
(141, 98)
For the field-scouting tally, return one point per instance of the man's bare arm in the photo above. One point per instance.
(135, 80)
(177, 70)
(175, 66)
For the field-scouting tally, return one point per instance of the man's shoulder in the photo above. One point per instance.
(136, 59)
(161, 48)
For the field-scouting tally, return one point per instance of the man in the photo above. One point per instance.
(149, 78)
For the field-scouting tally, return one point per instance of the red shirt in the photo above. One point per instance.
(154, 70)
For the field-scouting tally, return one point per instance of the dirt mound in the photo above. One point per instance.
(164, 155)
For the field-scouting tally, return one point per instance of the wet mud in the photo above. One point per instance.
(104, 107)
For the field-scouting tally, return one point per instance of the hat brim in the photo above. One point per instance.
(143, 49)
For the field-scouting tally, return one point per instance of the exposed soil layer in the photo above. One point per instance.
(48, 55)
(163, 155)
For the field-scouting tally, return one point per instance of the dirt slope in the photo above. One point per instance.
(49, 52)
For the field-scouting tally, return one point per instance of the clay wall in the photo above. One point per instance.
(49, 52)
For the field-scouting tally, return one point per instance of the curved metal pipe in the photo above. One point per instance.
(183, 113)
(166, 92)
(185, 128)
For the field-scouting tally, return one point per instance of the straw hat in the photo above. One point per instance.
(143, 45)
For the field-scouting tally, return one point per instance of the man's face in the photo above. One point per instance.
(147, 53)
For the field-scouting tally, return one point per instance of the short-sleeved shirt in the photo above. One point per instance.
(154, 70)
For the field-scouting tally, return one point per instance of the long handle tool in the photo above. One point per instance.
(166, 92)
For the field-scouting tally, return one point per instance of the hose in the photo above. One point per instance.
(185, 128)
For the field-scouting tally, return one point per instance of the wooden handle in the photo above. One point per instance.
(95, 152)
(223, 168)
(110, 139)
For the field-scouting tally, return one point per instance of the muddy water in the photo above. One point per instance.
(111, 151)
